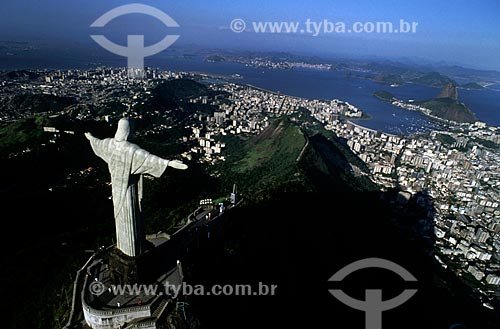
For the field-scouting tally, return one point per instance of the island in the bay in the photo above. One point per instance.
(445, 106)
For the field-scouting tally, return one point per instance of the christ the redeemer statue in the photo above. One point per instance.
(127, 163)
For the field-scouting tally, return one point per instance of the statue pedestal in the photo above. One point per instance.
(128, 270)
(145, 268)
(123, 269)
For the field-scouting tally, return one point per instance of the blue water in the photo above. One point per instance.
(327, 85)
(484, 103)
(313, 84)
(359, 92)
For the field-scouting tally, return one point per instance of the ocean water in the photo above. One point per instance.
(306, 83)
(328, 85)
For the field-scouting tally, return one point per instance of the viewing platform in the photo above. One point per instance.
(110, 300)
(136, 306)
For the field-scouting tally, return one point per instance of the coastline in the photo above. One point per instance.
(426, 113)
(366, 117)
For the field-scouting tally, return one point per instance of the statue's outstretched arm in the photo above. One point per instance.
(176, 164)
(147, 163)
(98, 146)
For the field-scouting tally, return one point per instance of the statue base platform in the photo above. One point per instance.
(129, 270)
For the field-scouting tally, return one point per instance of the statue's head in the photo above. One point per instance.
(123, 130)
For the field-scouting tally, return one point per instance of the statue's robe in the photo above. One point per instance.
(127, 163)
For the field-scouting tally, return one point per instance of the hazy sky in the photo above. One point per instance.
(460, 31)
